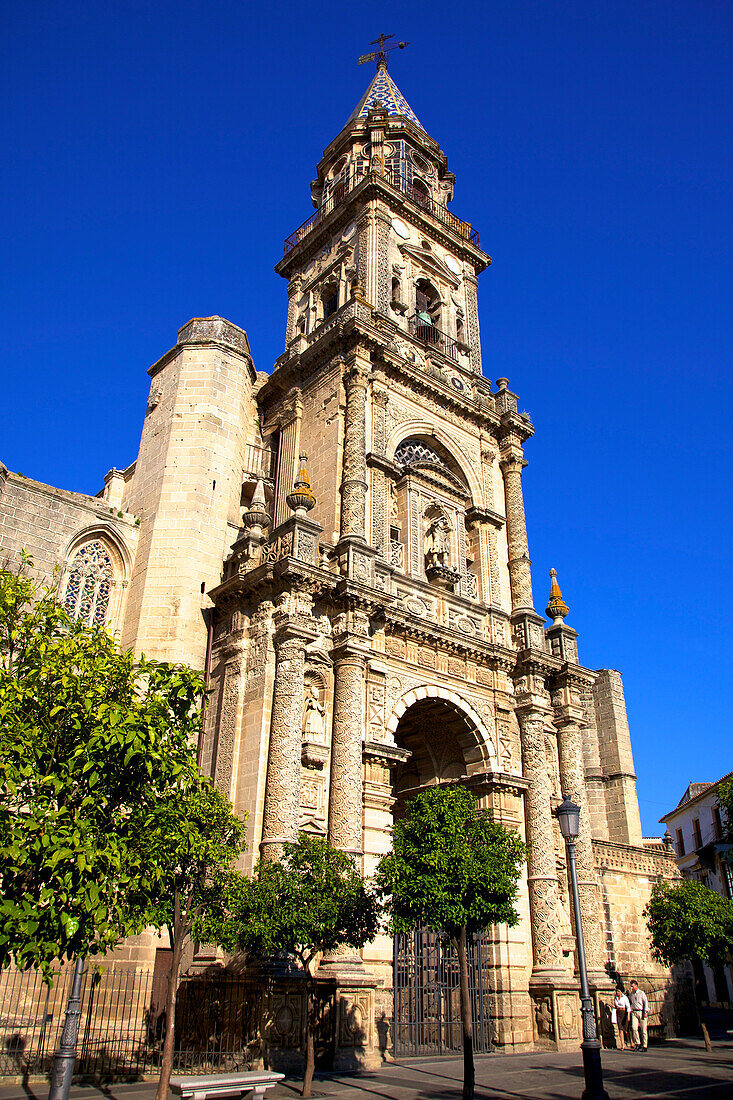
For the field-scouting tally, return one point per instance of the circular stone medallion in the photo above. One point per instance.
(452, 263)
(400, 228)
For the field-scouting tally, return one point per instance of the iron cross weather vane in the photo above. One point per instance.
(380, 55)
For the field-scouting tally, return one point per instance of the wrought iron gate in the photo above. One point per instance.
(427, 1018)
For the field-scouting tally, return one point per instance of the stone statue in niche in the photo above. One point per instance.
(314, 724)
(437, 542)
(438, 567)
(544, 1028)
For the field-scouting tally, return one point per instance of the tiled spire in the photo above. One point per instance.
(384, 93)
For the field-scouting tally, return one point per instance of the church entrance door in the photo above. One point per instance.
(427, 1017)
(445, 746)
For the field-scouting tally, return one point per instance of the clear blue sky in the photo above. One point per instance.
(155, 155)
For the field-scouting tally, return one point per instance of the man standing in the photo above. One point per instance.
(639, 1016)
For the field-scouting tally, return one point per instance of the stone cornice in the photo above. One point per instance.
(612, 856)
(402, 624)
(272, 578)
(346, 332)
(484, 515)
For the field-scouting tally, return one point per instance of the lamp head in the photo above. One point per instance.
(568, 814)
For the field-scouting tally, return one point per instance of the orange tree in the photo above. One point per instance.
(309, 902)
(456, 871)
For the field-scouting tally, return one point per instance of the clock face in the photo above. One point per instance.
(400, 228)
(452, 263)
(457, 382)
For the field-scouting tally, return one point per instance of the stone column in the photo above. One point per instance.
(354, 478)
(520, 577)
(290, 418)
(380, 488)
(294, 290)
(345, 797)
(470, 283)
(282, 786)
(572, 784)
(541, 870)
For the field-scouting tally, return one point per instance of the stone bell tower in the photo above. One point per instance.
(375, 631)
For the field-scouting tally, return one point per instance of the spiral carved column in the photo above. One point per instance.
(520, 577)
(345, 798)
(541, 870)
(345, 802)
(572, 783)
(354, 479)
(282, 786)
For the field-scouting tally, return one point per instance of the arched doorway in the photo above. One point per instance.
(447, 744)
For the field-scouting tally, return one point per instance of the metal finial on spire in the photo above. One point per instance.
(556, 609)
(380, 55)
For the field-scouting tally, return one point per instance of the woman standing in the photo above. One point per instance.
(622, 1008)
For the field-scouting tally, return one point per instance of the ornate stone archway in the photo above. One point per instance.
(475, 738)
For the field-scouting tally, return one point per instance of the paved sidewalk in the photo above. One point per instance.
(676, 1070)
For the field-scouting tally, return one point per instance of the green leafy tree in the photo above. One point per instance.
(688, 921)
(456, 871)
(90, 738)
(312, 901)
(188, 843)
(725, 802)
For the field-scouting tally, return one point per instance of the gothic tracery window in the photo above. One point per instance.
(89, 582)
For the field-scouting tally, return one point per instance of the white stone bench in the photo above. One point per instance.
(225, 1084)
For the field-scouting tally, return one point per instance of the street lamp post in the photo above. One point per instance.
(65, 1057)
(568, 815)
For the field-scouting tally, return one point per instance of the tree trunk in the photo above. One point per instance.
(701, 988)
(469, 1075)
(166, 1062)
(310, 1054)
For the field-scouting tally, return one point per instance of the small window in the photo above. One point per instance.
(394, 534)
(395, 289)
(717, 823)
(696, 832)
(330, 298)
(680, 843)
(420, 193)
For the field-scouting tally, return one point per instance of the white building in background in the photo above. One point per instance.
(696, 827)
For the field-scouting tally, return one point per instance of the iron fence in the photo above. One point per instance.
(427, 1016)
(123, 1024)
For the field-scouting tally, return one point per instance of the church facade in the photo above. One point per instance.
(341, 544)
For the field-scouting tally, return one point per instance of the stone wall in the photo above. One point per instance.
(48, 522)
(627, 875)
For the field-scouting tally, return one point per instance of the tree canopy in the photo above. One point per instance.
(451, 866)
(90, 740)
(687, 920)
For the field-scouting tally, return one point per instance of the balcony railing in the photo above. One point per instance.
(416, 195)
(432, 336)
(442, 213)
